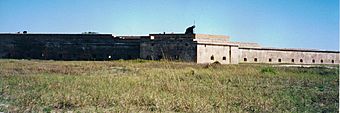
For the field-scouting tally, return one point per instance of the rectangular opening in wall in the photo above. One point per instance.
(255, 59)
(279, 60)
(321, 61)
(332, 61)
(313, 61)
(212, 58)
(301, 60)
(176, 57)
(224, 58)
(270, 60)
(292, 60)
(245, 59)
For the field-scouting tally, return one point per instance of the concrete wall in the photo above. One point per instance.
(215, 48)
(209, 53)
(235, 54)
(264, 55)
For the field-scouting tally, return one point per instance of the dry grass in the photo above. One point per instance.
(162, 86)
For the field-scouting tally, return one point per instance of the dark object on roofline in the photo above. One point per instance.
(90, 32)
(190, 30)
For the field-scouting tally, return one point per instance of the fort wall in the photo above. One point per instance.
(172, 47)
(199, 48)
(290, 56)
(215, 48)
(210, 53)
(67, 47)
(224, 54)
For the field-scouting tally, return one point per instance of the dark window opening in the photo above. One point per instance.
(176, 57)
(255, 59)
(224, 58)
(186, 44)
(321, 61)
(270, 60)
(301, 60)
(333, 61)
(313, 61)
(152, 44)
(279, 60)
(245, 59)
(212, 58)
(205, 45)
(292, 60)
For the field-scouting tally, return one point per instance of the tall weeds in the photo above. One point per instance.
(164, 86)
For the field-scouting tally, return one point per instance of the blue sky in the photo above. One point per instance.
(271, 23)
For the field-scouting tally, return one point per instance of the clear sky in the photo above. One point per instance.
(271, 23)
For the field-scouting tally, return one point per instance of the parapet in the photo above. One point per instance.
(171, 36)
(212, 37)
(290, 49)
(246, 44)
(131, 37)
(206, 38)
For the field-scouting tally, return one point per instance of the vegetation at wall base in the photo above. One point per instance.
(164, 86)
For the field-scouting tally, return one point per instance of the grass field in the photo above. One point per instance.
(162, 86)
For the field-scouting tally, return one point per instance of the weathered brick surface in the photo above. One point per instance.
(67, 47)
(173, 47)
